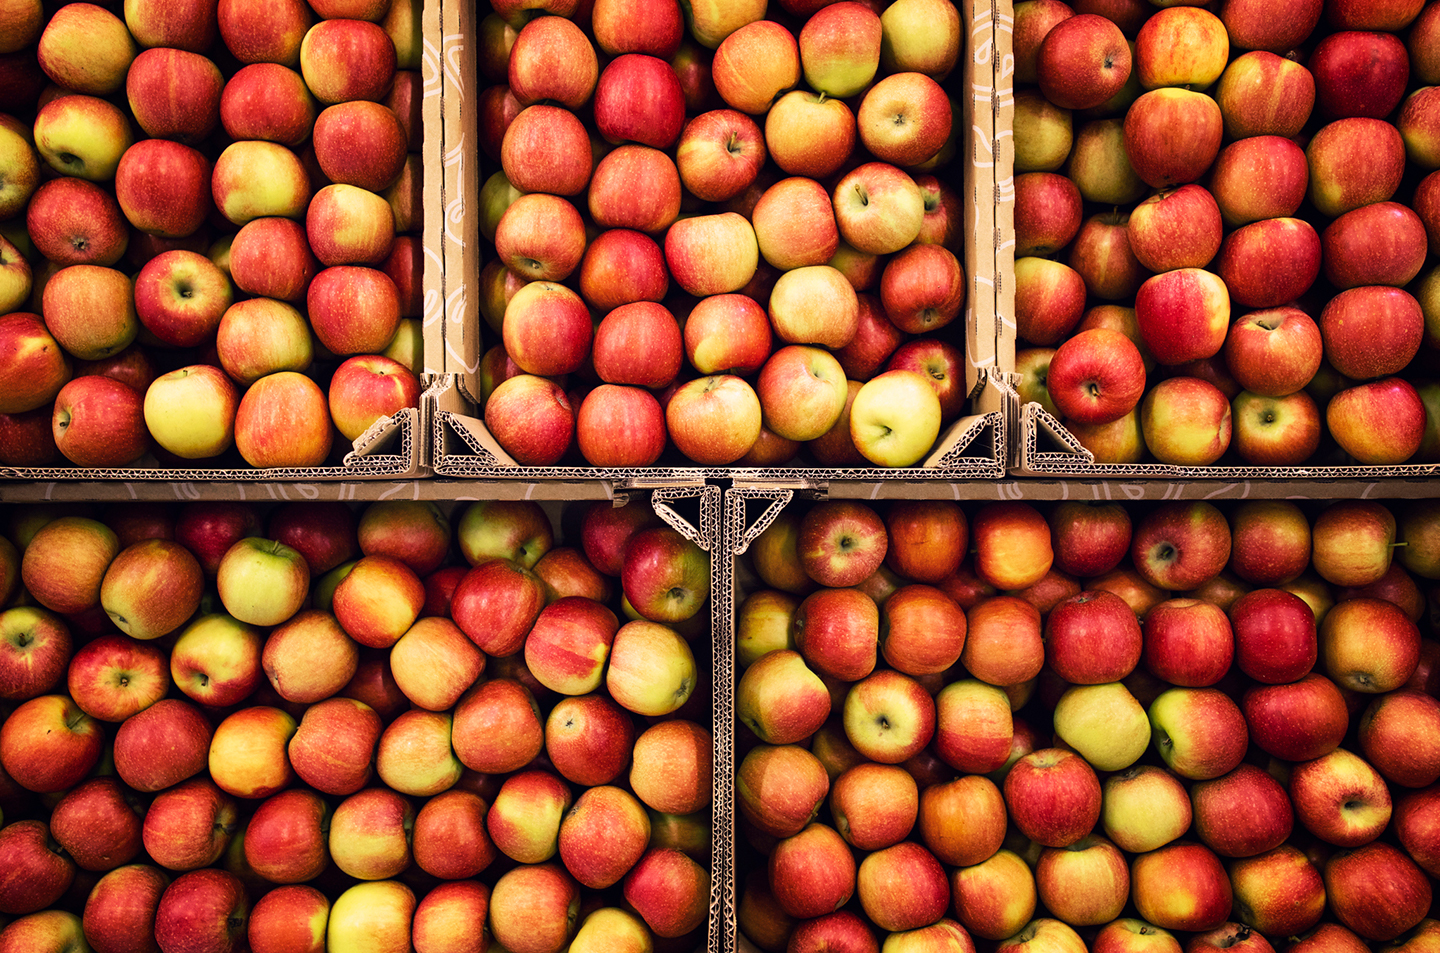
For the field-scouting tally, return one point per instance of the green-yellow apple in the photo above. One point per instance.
(1104, 723)
(840, 48)
(371, 916)
(651, 670)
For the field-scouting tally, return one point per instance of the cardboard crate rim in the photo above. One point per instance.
(1032, 461)
(362, 462)
(946, 462)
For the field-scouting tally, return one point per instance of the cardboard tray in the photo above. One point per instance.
(692, 510)
(975, 447)
(1040, 444)
(392, 447)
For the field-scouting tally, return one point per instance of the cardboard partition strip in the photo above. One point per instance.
(457, 169)
(433, 184)
(1066, 457)
(1005, 184)
(736, 538)
(979, 175)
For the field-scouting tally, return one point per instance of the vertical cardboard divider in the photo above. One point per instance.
(737, 539)
(456, 165)
(433, 185)
(978, 114)
(1005, 185)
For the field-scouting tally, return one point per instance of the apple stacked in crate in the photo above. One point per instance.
(1222, 222)
(1107, 727)
(321, 728)
(722, 238)
(219, 267)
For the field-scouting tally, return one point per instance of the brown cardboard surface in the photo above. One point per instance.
(1005, 184)
(432, 162)
(981, 168)
(457, 165)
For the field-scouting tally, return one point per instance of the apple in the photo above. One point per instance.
(1046, 134)
(1340, 798)
(1186, 421)
(1376, 890)
(552, 60)
(87, 49)
(271, 257)
(80, 135)
(1200, 733)
(334, 744)
(253, 179)
(1053, 796)
(1372, 331)
(171, 727)
(807, 133)
(1369, 645)
(1082, 62)
(651, 670)
(1181, 46)
(90, 310)
(712, 254)
(294, 914)
(840, 49)
(1003, 644)
(878, 208)
(377, 914)
(1181, 886)
(636, 187)
(39, 367)
(621, 266)
(895, 418)
(1144, 808)
(1379, 423)
(754, 65)
(122, 906)
(546, 149)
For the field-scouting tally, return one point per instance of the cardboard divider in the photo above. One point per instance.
(739, 533)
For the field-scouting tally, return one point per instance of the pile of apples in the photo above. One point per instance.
(209, 229)
(322, 728)
(718, 230)
(1098, 727)
(1223, 219)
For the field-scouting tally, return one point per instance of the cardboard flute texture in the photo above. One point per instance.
(974, 447)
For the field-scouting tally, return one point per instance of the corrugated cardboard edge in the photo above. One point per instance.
(390, 448)
(1005, 185)
(979, 186)
(710, 536)
(974, 447)
(737, 539)
(431, 162)
(456, 164)
(1038, 428)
